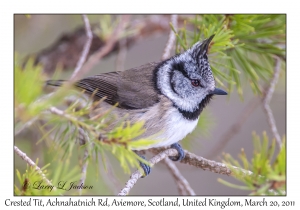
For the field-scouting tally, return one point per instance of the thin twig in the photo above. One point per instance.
(84, 169)
(249, 109)
(182, 183)
(171, 39)
(86, 47)
(267, 99)
(138, 174)
(181, 189)
(190, 159)
(61, 113)
(172, 167)
(95, 58)
(69, 117)
(31, 163)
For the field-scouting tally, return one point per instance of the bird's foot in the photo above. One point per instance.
(180, 151)
(144, 166)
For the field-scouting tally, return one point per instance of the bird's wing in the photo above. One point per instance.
(131, 89)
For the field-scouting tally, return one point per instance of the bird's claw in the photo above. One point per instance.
(180, 151)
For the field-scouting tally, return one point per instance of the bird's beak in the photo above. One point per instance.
(218, 91)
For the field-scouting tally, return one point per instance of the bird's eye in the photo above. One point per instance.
(195, 82)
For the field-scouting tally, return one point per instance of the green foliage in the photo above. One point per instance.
(268, 177)
(26, 95)
(243, 45)
(61, 129)
(120, 141)
(32, 183)
(106, 27)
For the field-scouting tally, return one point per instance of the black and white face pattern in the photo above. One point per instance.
(187, 79)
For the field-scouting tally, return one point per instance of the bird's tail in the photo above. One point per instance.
(55, 82)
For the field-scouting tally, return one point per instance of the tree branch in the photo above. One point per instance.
(84, 169)
(203, 163)
(86, 47)
(190, 159)
(138, 174)
(171, 39)
(267, 99)
(61, 113)
(31, 163)
(182, 183)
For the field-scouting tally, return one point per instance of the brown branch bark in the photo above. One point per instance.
(190, 159)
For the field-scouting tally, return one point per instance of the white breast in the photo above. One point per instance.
(176, 128)
(164, 123)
